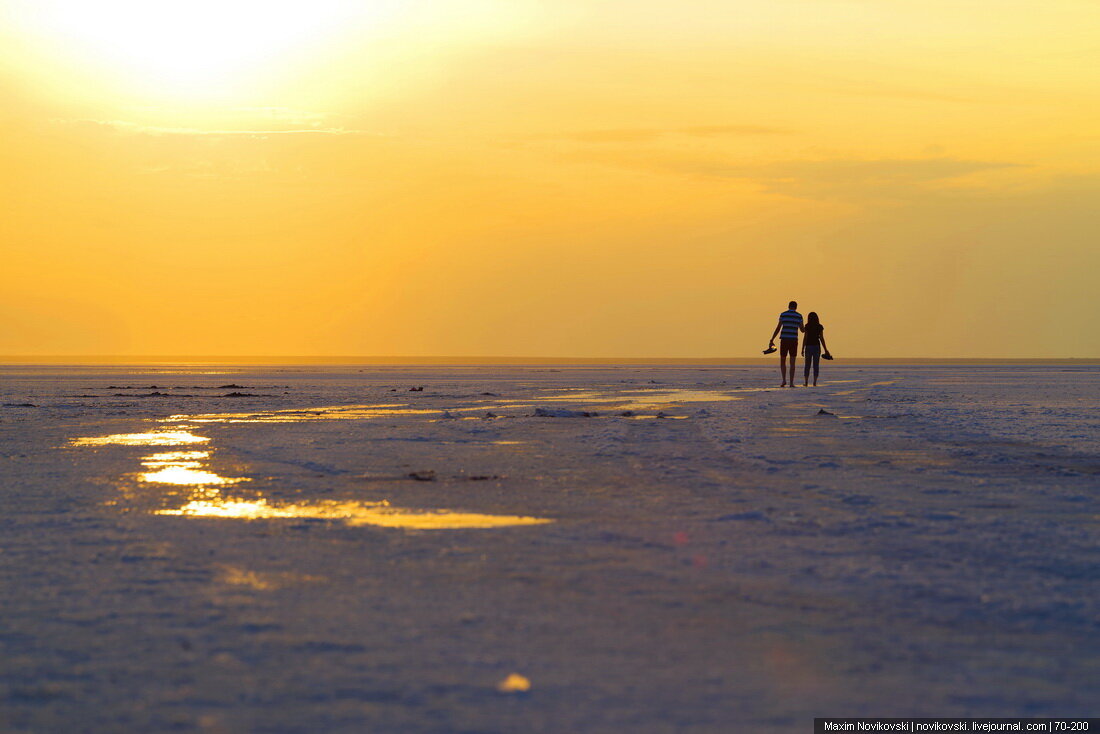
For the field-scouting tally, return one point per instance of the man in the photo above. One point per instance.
(790, 323)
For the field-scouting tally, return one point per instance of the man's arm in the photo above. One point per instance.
(778, 326)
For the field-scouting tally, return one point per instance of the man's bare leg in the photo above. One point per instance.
(792, 370)
(783, 369)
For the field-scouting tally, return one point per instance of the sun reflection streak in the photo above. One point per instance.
(380, 514)
(152, 438)
(628, 400)
(174, 457)
(186, 476)
(327, 413)
(184, 468)
(640, 399)
(189, 469)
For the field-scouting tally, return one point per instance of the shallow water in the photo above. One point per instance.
(334, 553)
(189, 469)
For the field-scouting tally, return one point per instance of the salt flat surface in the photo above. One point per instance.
(325, 550)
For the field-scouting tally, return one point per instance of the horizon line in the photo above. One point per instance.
(124, 359)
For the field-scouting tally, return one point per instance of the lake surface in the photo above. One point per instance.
(545, 548)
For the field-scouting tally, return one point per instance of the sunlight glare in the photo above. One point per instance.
(197, 47)
(151, 438)
(379, 514)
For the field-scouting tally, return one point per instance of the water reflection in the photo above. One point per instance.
(627, 400)
(632, 400)
(380, 514)
(640, 399)
(183, 468)
(190, 468)
(169, 458)
(327, 413)
(152, 438)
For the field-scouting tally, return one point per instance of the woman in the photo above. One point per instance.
(813, 342)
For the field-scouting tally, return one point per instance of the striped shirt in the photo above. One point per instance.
(791, 321)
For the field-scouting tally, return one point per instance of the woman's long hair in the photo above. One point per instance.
(811, 319)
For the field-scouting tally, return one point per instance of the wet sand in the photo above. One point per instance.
(642, 549)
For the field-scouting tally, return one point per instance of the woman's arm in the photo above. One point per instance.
(824, 349)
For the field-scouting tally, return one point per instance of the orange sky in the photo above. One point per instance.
(576, 178)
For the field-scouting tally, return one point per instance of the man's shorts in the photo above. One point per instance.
(788, 346)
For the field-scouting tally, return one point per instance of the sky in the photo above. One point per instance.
(577, 178)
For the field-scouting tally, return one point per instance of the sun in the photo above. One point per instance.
(190, 47)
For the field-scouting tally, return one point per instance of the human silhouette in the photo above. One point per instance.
(790, 323)
(812, 345)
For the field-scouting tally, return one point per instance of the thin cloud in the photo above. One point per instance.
(635, 135)
(718, 130)
(846, 170)
(858, 88)
(853, 179)
(139, 129)
(833, 178)
(286, 115)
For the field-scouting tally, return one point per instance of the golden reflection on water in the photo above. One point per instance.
(189, 469)
(152, 438)
(641, 399)
(329, 413)
(631, 400)
(263, 581)
(186, 476)
(380, 514)
(172, 458)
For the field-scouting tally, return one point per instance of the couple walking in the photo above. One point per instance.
(790, 323)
